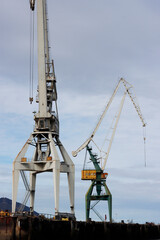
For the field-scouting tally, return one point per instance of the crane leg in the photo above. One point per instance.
(56, 173)
(109, 201)
(16, 171)
(70, 174)
(32, 190)
(70, 177)
(88, 200)
(14, 189)
(110, 207)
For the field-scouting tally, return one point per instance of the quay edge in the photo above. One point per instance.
(38, 228)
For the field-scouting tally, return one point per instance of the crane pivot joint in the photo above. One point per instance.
(74, 153)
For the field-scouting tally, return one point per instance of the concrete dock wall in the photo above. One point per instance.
(32, 228)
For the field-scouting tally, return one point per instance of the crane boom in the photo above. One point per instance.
(114, 130)
(74, 153)
(133, 101)
(125, 83)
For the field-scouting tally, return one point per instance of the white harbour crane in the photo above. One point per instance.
(49, 154)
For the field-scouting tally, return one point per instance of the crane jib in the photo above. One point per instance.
(127, 86)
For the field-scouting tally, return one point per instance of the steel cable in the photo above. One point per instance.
(31, 56)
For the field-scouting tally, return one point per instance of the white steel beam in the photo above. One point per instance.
(32, 190)
(41, 60)
(70, 175)
(56, 172)
(15, 173)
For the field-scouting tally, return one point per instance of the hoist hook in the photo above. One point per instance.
(30, 100)
(32, 4)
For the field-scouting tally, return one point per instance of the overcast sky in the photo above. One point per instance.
(94, 43)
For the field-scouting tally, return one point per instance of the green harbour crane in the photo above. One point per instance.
(97, 175)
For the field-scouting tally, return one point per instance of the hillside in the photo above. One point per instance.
(6, 204)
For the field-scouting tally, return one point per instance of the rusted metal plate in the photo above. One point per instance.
(6, 227)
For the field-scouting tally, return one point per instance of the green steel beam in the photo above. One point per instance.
(99, 183)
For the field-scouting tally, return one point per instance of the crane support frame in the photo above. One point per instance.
(89, 197)
(98, 179)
